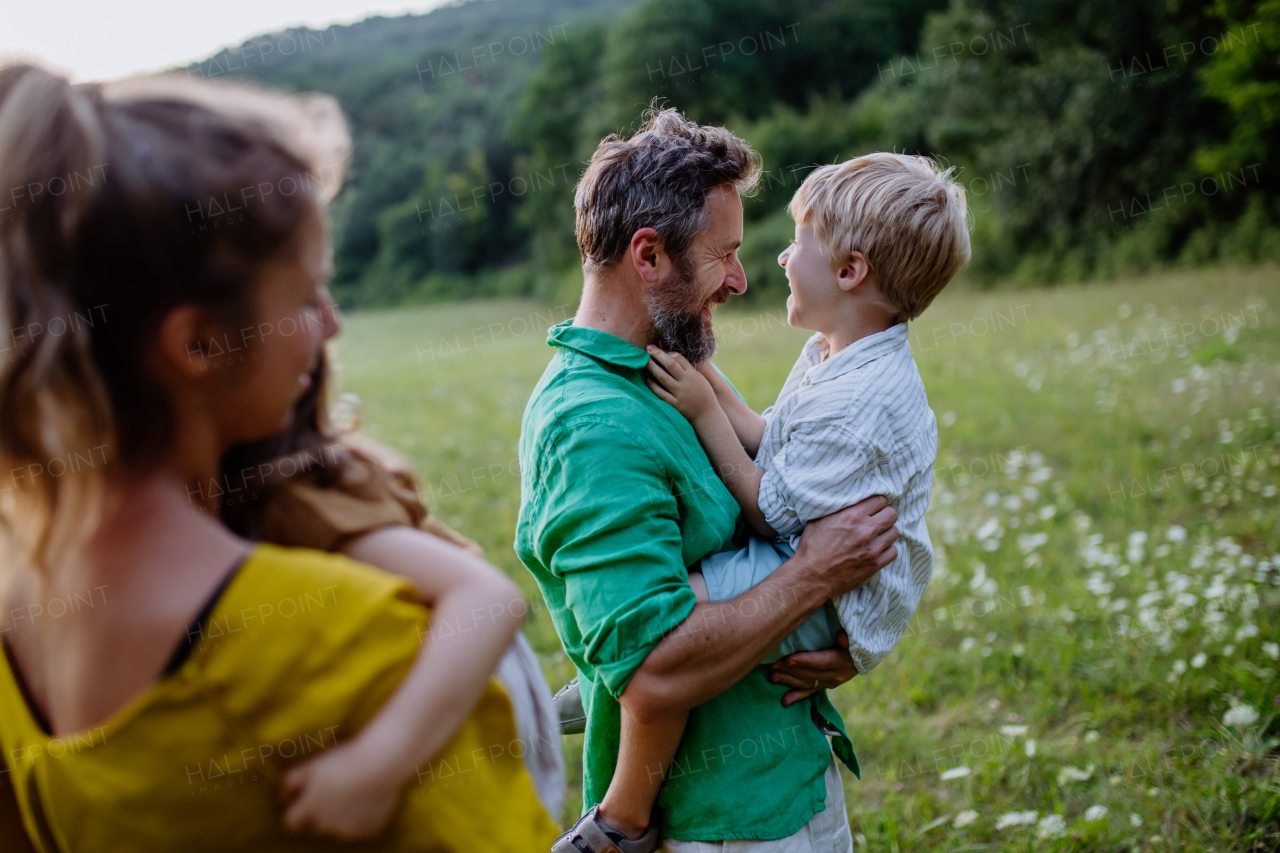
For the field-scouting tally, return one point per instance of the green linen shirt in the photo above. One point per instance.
(617, 498)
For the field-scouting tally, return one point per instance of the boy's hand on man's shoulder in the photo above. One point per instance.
(679, 383)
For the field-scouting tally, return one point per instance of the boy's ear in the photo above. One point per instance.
(854, 272)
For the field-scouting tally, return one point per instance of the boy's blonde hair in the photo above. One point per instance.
(905, 213)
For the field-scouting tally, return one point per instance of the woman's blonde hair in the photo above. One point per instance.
(907, 215)
(122, 201)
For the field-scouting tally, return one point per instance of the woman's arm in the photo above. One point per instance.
(350, 790)
(678, 383)
(747, 425)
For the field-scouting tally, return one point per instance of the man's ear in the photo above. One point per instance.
(188, 343)
(854, 272)
(646, 254)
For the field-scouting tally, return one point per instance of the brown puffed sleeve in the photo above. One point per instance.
(373, 487)
(303, 515)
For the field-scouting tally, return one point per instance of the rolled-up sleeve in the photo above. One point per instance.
(821, 468)
(611, 532)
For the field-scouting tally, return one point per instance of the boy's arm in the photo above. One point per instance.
(678, 383)
(739, 474)
(747, 425)
(349, 791)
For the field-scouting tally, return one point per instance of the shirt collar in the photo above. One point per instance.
(599, 345)
(855, 355)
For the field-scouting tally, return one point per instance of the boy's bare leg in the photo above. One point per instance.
(645, 752)
(699, 585)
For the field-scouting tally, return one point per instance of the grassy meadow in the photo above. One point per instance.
(1095, 663)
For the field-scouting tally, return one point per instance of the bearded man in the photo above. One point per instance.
(618, 498)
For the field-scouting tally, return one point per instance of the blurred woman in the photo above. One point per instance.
(162, 291)
(335, 489)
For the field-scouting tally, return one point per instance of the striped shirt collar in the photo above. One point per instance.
(853, 356)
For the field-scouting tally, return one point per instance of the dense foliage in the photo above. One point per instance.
(1094, 137)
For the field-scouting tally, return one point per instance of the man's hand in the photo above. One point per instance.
(827, 668)
(679, 383)
(851, 545)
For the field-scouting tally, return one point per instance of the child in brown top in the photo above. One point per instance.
(315, 486)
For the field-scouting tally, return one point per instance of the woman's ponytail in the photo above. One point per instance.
(113, 212)
(55, 415)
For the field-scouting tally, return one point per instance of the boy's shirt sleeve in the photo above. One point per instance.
(821, 468)
(876, 614)
(611, 532)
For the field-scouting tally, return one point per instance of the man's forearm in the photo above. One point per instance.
(721, 642)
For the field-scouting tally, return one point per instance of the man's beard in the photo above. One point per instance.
(677, 319)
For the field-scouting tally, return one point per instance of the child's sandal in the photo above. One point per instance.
(592, 835)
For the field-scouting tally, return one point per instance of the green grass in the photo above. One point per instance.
(1107, 528)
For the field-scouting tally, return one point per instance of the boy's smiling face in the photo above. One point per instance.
(815, 287)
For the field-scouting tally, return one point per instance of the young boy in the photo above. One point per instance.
(877, 238)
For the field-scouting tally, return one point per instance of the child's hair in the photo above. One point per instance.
(315, 451)
(907, 215)
(126, 200)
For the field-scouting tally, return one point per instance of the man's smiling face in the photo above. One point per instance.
(680, 305)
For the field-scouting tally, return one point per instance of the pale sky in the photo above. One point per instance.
(97, 40)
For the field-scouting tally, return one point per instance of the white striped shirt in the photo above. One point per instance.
(855, 425)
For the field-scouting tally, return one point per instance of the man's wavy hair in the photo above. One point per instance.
(659, 178)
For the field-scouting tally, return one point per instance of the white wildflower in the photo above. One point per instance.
(1199, 660)
(1074, 774)
(955, 773)
(1013, 731)
(1095, 813)
(1134, 820)
(1241, 716)
(1090, 736)
(1016, 819)
(964, 819)
(1051, 826)
(1272, 650)
(1030, 749)
(1176, 533)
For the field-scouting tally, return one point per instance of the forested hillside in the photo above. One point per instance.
(1094, 137)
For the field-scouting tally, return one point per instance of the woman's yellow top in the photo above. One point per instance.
(300, 651)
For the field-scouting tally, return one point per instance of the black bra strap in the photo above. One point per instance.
(196, 629)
